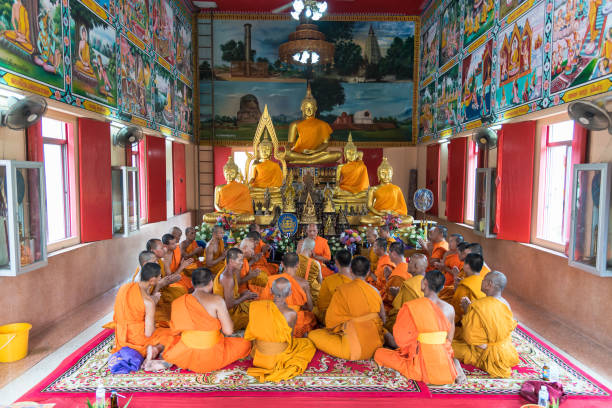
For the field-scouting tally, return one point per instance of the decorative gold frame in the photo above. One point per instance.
(265, 123)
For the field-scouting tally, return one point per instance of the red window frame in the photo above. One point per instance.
(472, 163)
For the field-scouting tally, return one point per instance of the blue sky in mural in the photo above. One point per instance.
(103, 3)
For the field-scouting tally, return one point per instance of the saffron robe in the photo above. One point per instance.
(354, 177)
(263, 263)
(221, 265)
(396, 279)
(238, 313)
(450, 261)
(309, 269)
(381, 281)
(257, 283)
(169, 294)
(373, 259)
(437, 252)
(447, 293)
(267, 174)
(353, 328)
(410, 290)
(277, 355)
(389, 197)
(312, 132)
(235, 197)
(322, 249)
(129, 322)
(185, 281)
(470, 288)
(328, 288)
(488, 321)
(202, 347)
(306, 320)
(425, 353)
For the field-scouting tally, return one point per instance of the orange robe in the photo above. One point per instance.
(450, 261)
(306, 320)
(257, 283)
(354, 177)
(185, 281)
(235, 197)
(322, 249)
(488, 321)
(267, 174)
(381, 281)
(410, 290)
(389, 197)
(437, 252)
(425, 353)
(277, 355)
(263, 263)
(169, 294)
(353, 328)
(447, 293)
(328, 288)
(238, 313)
(309, 269)
(221, 265)
(129, 322)
(202, 347)
(373, 259)
(470, 288)
(398, 276)
(312, 132)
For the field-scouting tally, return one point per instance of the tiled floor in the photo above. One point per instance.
(48, 349)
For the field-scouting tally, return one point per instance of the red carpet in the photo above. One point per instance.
(327, 380)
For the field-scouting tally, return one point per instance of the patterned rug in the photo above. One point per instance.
(81, 373)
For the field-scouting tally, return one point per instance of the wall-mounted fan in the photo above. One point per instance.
(24, 112)
(486, 138)
(127, 136)
(591, 114)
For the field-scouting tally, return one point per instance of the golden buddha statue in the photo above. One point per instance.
(309, 214)
(352, 179)
(309, 137)
(385, 199)
(233, 197)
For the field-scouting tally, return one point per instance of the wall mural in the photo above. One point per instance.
(429, 51)
(369, 91)
(99, 55)
(450, 32)
(537, 54)
(447, 93)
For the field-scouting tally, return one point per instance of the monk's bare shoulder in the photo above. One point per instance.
(505, 302)
(447, 309)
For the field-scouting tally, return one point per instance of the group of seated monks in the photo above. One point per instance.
(421, 316)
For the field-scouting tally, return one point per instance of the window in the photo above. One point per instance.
(55, 148)
(240, 158)
(135, 157)
(555, 186)
(472, 164)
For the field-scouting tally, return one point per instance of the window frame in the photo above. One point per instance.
(470, 182)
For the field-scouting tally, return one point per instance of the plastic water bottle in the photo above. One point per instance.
(543, 397)
(100, 396)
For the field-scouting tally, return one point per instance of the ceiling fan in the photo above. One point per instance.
(282, 9)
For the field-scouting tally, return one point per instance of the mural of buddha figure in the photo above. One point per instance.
(20, 34)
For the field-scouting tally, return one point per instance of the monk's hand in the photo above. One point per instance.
(185, 263)
(257, 257)
(422, 242)
(156, 296)
(455, 271)
(465, 303)
(482, 346)
(394, 290)
(387, 272)
(248, 295)
(253, 273)
(438, 265)
(173, 278)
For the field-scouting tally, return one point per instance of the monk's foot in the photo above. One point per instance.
(461, 378)
(156, 365)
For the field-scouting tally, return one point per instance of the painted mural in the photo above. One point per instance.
(184, 101)
(507, 6)
(479, 17)
(429, 51)
(582, 42)
(477, 84)
(136, 72)
(426, 110)
(184, 50)
(450, 32)
(520, 49)
(94, 56)
(447, 94)
(163, 30)
(31, 34)
(163, 96)
(135, 17)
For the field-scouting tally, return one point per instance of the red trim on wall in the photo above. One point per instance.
(95, 180)
(179, 173)
(34, 142)
(372, 159)
(220, 156)
(72, 178)
(156, 178)
(455, 188)
(432, 174)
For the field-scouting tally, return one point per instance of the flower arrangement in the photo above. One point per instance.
(203, 232)
(392, 221)
(240, 234)
(269, 235)
(226, 220)
(350, 238)
(334, 245)
(285, 244)
(410, 235)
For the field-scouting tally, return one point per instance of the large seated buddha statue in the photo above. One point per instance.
(233, 197)
(267, 175)
(352, 180)
(309, 137)
(385, 199)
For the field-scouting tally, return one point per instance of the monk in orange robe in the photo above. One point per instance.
(371, 236)
(226, 284)
(215, 251)
(385, 232)
(487, 325)
(144, 257)
(251, 278)
(199, 319)
(436, 246)
(450, 259)
(321, 251)
(299, 299)
(191, 249)
(384, 266)
(398, 275)
(423, 336)
(309, 269)
(470, 286)
(354, 319)
(331, 283)
(178, 265)
(262, 251)
(134, 318)
(456, 272)
(410, 288)
(277, 355)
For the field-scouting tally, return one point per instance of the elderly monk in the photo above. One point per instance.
(177, 233)
(134, 318)
(226, 285)
(470, 286)
(178, 265)
(384, 266)
(199, 319)
(262, 251)
(300, 299)
(410, 288)
(436, 246)
(423, 334)
(190, 248)
(331, 283)
(371, 236)
(486, 336)
(450, 259)
(397, 276)
(321, 251)
(215, 251)
(277, 355)
(354, 318)
(309, 268)
(251, 278)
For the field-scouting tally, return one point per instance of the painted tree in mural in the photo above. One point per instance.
(399, 60)
(336, 30)
(234, 51)
(347, 58)
(328, 92)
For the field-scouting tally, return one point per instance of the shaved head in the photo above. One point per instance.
(281, 288)
(153, 244)
(146, 257)
(308, 245)
(497, 279)
(418, 264)
(189, 230)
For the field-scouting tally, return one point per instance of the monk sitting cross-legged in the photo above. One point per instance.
(321, 251)
(134, 319)
(198, 319)
(456, 272)
(215, 251)
(436, 246)
(384, 266)
(226, 284)
(470, 286)
(354, 318)
(331, 283)
(398, 275)
(423, 334)
(299, 299)
(191, 249)
(251, 278)
(178, 265)
(262, 251)
(410, 288)
(450, 259)
(487, 325)
(309, 268)
(277, 354)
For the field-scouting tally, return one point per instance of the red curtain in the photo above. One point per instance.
(156, 174)
(515, 156)
(432, 174)
(34, 142)
(455, 187)
(179, 173)
(220, 156)
(95, 180)
(372, 159)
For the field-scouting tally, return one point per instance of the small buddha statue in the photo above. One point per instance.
(233, 197)
(309, 137)
(385, 199)
(352, 180)
(266, 175)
